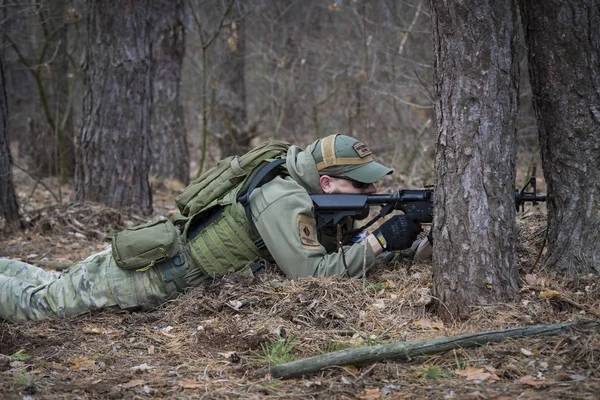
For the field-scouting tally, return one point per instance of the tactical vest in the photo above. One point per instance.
(218, 232)
(227, 244)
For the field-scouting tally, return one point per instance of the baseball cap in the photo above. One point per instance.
(347, 156)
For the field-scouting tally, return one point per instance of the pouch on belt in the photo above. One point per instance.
(149, 265)
(142, 246)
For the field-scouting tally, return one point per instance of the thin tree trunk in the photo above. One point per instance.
(26, 118)
(114, 146)
(50, 148)
(62, 100)
(170, 153)
(476, 82)
(564, 68)
(9, 208)
(233, 131)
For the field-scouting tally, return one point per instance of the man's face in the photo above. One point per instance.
(345, 185)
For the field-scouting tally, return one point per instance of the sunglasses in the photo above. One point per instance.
(356, 184)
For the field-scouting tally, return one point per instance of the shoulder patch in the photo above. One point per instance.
(361, 149)
(307, 231)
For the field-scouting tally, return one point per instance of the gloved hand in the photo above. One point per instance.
(397, 233)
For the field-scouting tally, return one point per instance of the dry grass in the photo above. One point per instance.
(217, 341)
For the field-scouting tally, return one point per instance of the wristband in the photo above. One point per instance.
(361, 235)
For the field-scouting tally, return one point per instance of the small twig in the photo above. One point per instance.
(563, 298)
(37, 181)
(31, 195)
(540, 253)
(367, 371)
(300, 321)
(364, 266)
(410, 27)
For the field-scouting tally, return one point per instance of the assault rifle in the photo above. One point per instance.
(330, 209)
(521, 196)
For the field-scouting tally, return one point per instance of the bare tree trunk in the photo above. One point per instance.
(170, 153)
(114, 146)
(60, 86)
(564, 68)
(43, 51)
(234, 132)
(9, 209)
(26, 119)
(286, 107)
(476, 82)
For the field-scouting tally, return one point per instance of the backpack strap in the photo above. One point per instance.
(263, 176)
(259, 179)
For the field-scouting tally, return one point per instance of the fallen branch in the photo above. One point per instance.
(407, 350)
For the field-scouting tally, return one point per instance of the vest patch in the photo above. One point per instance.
(361, 149)
(306, 230)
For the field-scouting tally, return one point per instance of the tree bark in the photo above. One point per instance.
(170, 153)
(9, 208)
(476, 83)
(564, 67)
(114, 146)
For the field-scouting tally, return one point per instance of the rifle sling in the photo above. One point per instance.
(263, 176)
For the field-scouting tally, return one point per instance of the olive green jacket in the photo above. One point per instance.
(282, 212)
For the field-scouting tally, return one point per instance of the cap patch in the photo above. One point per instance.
(306, 230)
(344, 154)
(361, 149)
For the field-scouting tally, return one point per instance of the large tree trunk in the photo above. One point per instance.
(170, 153)
(564, 68)
(9, 209)
(113, 154)
(476, 82)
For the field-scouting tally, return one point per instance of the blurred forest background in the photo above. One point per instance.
(227, 74)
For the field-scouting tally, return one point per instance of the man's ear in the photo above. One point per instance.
(326, 184)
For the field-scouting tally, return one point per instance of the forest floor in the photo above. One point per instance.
(218, 341)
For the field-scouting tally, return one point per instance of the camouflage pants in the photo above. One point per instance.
(31, 293)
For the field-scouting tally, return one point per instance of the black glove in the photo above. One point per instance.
(397, 233)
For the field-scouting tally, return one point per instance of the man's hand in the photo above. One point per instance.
(397, 233)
